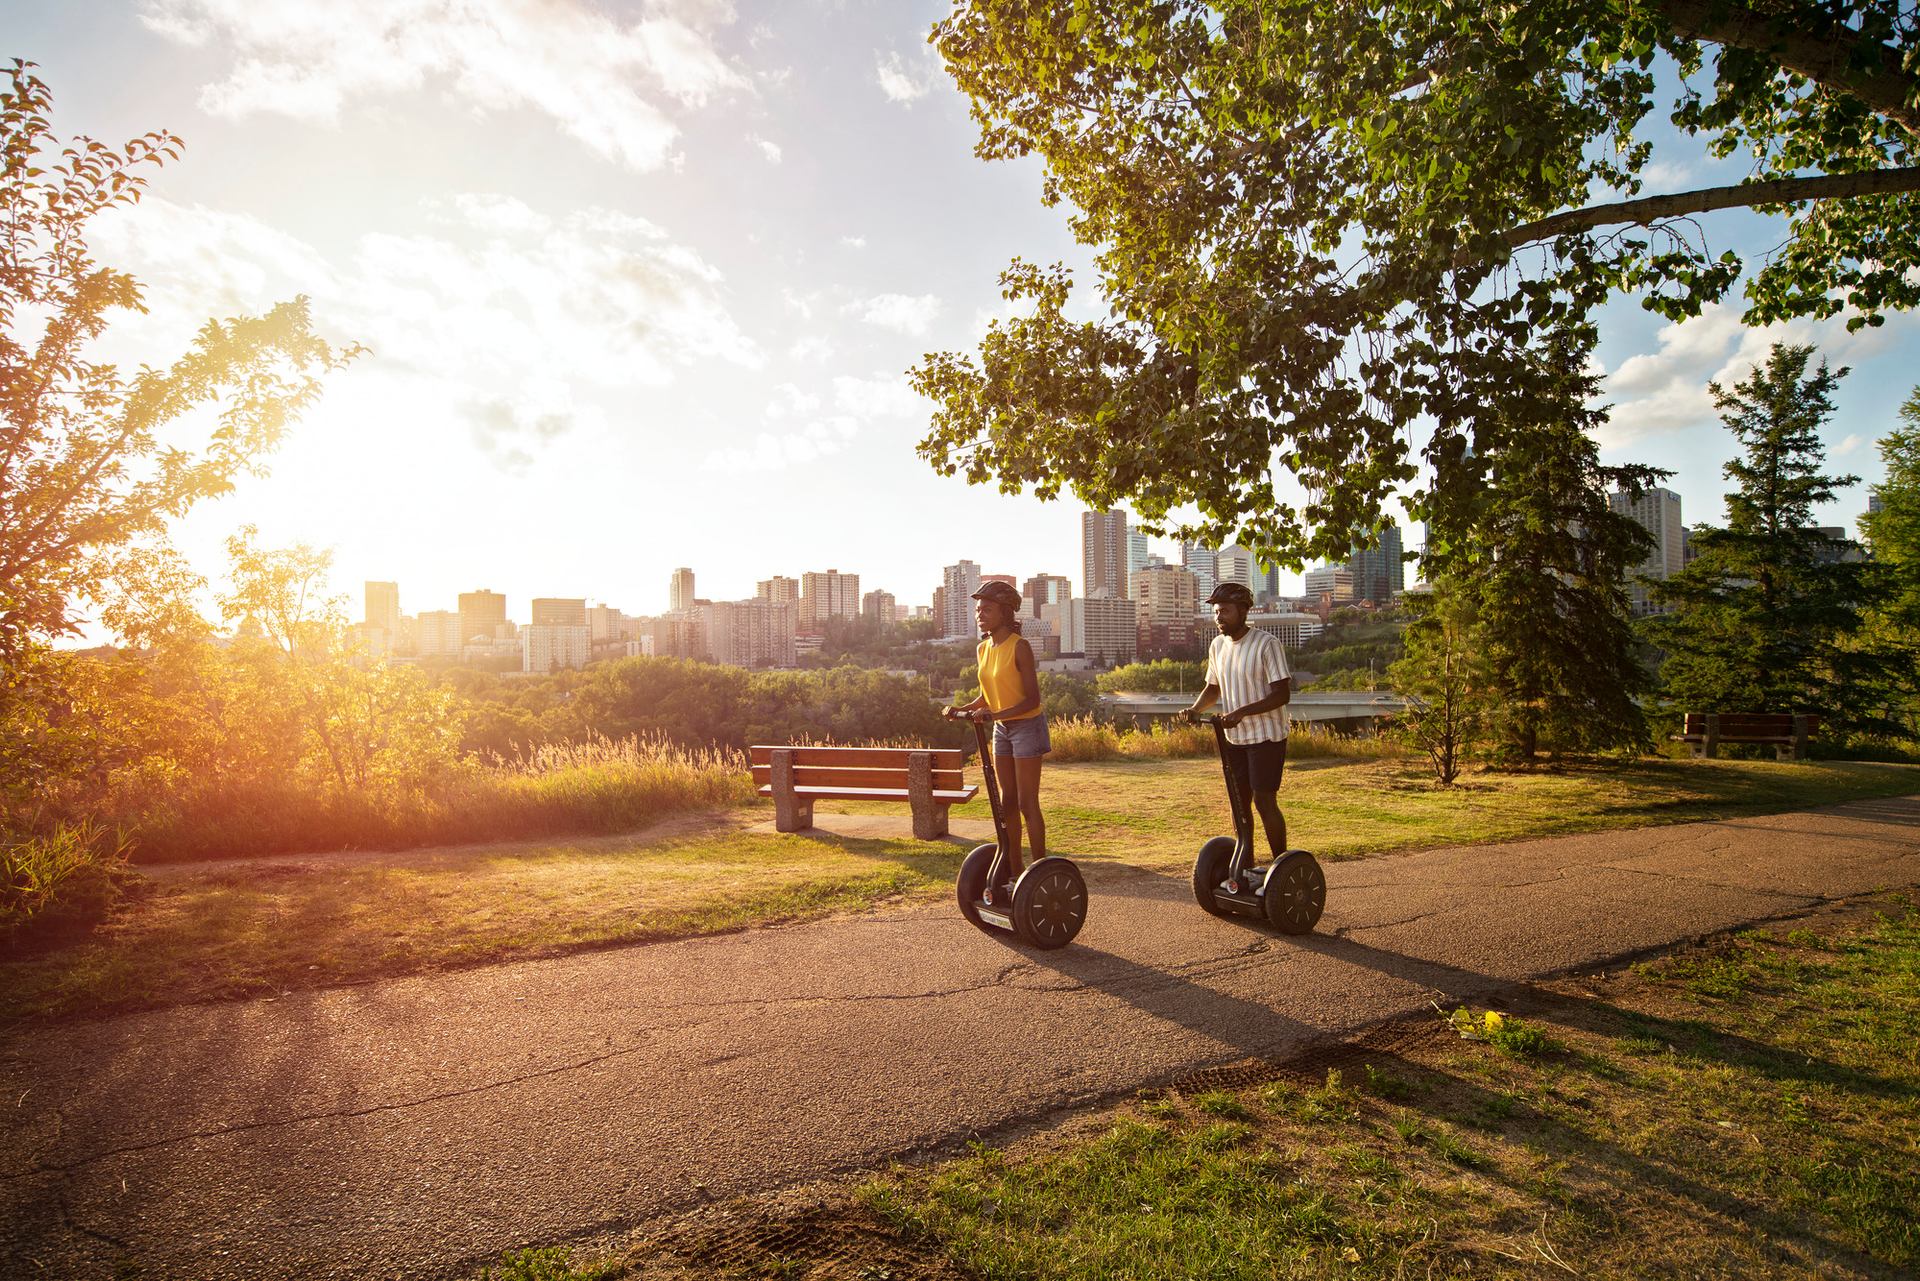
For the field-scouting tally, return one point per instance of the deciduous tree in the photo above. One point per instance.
(1315, 223)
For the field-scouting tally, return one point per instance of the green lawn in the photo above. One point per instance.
(239, 928)
(1750, 1110)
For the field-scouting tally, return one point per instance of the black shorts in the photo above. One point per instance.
(1258, 766)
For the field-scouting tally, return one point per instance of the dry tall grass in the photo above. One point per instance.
(1081, 738)
(600, 785)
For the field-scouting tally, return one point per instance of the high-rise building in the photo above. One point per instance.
(751, 633)
(681, 634)
(559, 611)
(383, 607)
(938, 610)
(1137, 554)
(1165, 594)
(1103, 553)
(1658, 512)
(1379, 574)
(604, 623)
(778, 590)
(1335, 582)
(878, 606)
(1292, 628)
(437, 634)
(827, 595)
(555, 647)
(1109, 630)
(1203, 563)
(1044, 589)
(1235, 564)
(481, 615)
(680, 590)
(961, 581)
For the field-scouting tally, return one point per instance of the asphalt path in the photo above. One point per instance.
(416, 1127)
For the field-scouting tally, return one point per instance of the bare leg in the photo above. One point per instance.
(1268, 805)
(1009, 776)
(1028, 770)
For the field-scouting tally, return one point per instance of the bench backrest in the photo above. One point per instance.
(1748, 724)
(859, 766)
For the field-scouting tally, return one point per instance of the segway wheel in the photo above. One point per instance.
(1216, 856)
(972, 882)
(1296, 892)
(1050, 903)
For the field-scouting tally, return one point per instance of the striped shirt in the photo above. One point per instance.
(1245, 671)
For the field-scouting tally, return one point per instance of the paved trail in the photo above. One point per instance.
(417, 1126)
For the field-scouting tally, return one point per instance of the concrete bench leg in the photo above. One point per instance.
(929, 818)
(790, 814)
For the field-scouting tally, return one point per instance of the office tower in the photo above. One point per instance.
(559, 611)
(383, 607)
(437, 634)
(680, 590)
(1378, 572)
(1332, 581)
(1234, 564)
(778, 590)
(1292, 628)
(751, 633)
(938, 611)
(878, 606)
(1066, 620)
(1103, 552)
(1165, 594)
(827, 595)
(961, 581)
(1110, 630)
(1658, 512)
(481, 614)
(1044, 589)
(1202, 562)
(555, 647)
(1137, 554)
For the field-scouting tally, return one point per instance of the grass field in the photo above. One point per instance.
(260, 927)
(1749, 1107)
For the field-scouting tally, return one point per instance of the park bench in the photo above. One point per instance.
(1788, 732)
(927, 778)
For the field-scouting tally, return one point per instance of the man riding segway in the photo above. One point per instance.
(1247, 674)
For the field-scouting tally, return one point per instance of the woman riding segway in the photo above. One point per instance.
(1047, 904)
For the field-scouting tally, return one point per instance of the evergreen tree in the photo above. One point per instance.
(1763, 615)
(1543, 559)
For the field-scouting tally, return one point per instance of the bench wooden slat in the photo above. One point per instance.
(941, 797)
(832, 775)
(944, 758)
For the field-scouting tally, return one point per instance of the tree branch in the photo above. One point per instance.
(1829, 53)
(1777, 191)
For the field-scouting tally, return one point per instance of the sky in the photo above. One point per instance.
(640, 281)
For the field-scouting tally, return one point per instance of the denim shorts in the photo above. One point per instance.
(1022, 738)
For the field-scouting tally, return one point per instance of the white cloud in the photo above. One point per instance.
(884, 396)
(1850, 442)
(898, 312)
(559, 57)
(518, 318)
(854, 242)
(790, 402)
(812, 349)
(769, 149)
(777, 451)
(1667, 390)
(902, 82)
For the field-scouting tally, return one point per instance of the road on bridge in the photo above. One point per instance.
(416, 1127)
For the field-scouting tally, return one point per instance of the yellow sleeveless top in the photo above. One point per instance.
(1000, 676)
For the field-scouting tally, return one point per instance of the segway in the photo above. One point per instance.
(1045, 907)
(1288, 894)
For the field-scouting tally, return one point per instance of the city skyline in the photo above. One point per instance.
(658, 290)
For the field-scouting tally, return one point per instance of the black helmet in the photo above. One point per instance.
(1235, 593)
